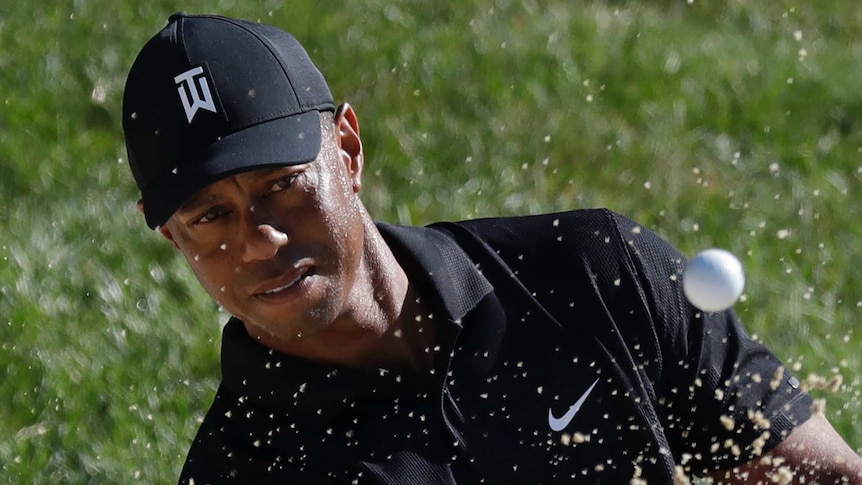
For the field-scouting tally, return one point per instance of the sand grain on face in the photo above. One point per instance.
(782, 476)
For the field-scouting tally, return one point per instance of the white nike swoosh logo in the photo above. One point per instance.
(559, 424)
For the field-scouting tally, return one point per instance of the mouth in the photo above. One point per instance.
(284, 287)
(278, 287)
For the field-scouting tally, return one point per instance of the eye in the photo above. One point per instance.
(210, 216)
(281, 184)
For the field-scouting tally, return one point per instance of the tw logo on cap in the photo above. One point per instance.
(194, 92)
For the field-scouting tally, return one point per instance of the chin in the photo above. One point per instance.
(305, 326)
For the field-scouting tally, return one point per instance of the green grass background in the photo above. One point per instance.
(731, 124)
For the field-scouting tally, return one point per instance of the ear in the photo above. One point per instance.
(162, 229)
(350, 143)
(166, 232)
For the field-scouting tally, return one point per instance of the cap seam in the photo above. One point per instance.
(264, 119)
(268, 45)
(269, 48)
(180, 40)
(270, 117)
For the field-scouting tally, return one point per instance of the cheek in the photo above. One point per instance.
(339, 223)
(214, 267)
(347, 234)
(340, 204)
(209, 275)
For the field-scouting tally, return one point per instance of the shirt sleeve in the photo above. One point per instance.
(726, 398)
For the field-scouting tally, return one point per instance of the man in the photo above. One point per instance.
(546, 349)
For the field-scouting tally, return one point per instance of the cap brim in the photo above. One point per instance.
(284, 141)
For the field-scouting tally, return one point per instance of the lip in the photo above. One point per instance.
(285, 286)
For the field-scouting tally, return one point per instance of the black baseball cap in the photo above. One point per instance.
(209, 97)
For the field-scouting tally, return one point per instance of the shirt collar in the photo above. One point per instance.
(440, 267)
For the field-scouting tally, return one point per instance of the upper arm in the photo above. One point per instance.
(813, 453)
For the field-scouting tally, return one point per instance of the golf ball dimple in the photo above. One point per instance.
(713, 280)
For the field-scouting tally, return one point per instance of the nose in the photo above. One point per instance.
(263, 242)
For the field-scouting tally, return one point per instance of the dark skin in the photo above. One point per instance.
(813, 453)
(292, 252)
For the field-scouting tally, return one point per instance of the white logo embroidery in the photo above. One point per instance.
(559, 424)
(200, 93)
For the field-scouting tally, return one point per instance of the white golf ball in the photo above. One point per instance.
(713, 280)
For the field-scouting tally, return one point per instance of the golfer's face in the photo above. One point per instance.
(278, 247)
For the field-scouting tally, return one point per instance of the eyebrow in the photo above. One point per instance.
(197, 201)
(205, 197)
(266, 172)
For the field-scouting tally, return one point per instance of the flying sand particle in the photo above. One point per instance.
(679, 477)
(818, 406)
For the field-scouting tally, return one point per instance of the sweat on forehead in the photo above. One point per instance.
(194, 112)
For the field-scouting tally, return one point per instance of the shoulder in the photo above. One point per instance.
(549, 226)
(583, 262)
(583, 227)
(594, 255)
(598, 238)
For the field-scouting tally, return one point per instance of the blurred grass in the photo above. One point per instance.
(732, 124)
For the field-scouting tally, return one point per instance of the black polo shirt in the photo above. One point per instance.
(566, 353)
